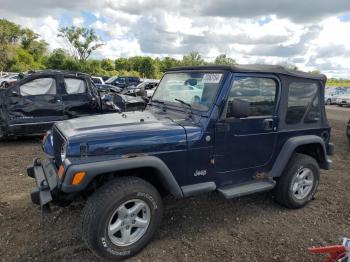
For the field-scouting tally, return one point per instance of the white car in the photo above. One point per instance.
(7, 80)
(344, 99)
(97, 80)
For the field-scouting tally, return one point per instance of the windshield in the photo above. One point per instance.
(111, 79)
(194, 88)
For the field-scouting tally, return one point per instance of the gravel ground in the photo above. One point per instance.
(204, 228)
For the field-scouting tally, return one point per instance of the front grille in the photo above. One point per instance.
(58, 141)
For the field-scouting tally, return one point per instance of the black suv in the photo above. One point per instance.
(237, 130)
(123, 81)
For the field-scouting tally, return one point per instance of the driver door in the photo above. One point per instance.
(244, 145)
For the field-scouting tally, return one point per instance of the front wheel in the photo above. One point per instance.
(121, 218)
(328, 102)
(299, 181)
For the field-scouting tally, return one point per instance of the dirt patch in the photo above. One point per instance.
(203, 228)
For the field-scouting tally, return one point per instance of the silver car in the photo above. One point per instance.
(344, 99)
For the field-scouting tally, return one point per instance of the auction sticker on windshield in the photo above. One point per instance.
(211, 78)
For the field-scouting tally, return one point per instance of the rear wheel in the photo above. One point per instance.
(328, 102)
(299, 182)
(121, 218)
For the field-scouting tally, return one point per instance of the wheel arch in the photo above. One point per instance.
(149, 168)
(311, 145)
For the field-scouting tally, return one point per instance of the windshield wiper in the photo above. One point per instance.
(163, 105)
(183, 103)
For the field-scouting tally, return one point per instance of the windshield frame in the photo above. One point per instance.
(177, 105)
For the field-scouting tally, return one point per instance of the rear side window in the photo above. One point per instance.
(259, 92)
(75, 86)
(39, 86)
(302, 98)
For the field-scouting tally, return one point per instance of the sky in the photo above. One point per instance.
(311, 34)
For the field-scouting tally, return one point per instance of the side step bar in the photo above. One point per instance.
(246, 188)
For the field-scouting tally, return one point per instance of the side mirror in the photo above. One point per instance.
(15, 93)
(238, 108)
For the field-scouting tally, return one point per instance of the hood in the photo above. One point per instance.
(127, 133)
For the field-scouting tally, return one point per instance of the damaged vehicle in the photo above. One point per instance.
(8, 80)
(236, 130)
(145, 88)
(34, 103)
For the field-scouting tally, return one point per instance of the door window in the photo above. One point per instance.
(75, 86)
(259, 92)
(301, 97)
(39, 86)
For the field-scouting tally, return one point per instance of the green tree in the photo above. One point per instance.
(168, 62)
(193, 59)
(23, 61)
(122, 64)
(56, 59)
(224, 60)
(10, 34)
(81, 41)
(107, 64)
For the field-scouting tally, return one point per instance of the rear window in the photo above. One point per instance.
(302, 98)
(75, 86)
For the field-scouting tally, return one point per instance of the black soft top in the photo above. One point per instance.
(254, 68)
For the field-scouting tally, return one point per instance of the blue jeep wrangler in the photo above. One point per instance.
(237, 130)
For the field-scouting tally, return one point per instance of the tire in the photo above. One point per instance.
(328, 102)
(6, 85)
(298, 166)
(105, 208)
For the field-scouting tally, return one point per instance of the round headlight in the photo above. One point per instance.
(63, 152)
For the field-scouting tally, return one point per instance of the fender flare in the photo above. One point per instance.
(95, 169)
(289, 147)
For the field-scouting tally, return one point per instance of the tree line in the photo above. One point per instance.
(21, 49)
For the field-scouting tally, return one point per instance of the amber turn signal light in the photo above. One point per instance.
(61, 172)
(78, 178)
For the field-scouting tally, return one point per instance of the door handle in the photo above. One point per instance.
(268, 124)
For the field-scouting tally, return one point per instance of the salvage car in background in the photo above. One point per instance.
(8, 80)
(344, 98)
(108, 88)
(332, 94)
(123, 81)
(33, 104)
(146, 88)
(97, 80)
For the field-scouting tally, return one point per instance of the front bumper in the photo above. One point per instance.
(45, 174)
